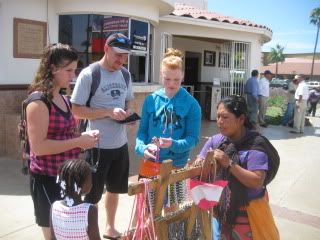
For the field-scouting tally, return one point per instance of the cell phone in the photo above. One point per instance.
(132, 118)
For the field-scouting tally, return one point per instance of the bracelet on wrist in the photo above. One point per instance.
(231, 164)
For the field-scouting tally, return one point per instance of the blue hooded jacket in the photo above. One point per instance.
(178, 117)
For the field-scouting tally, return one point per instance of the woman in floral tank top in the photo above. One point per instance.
(51, 129)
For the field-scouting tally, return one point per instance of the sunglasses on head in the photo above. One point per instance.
(119, 41)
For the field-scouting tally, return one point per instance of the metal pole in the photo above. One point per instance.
(314, 52)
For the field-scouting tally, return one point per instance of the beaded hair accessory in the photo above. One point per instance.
(69, 200)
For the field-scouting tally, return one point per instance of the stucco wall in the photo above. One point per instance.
(10, 108)
(137, 8)
(202, 4)
(17, 70)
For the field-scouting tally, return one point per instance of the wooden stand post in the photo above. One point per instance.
(159, 185)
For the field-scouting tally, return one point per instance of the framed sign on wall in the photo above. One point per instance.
(209, 58)
(29, 38)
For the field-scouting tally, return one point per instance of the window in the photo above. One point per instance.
(88, 33)
(139, 35)
(137, 67)
(224, 60)
(138, 59)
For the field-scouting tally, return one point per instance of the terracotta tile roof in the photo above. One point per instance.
(184, 10)
(294, 66)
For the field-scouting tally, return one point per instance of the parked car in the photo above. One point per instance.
(279, 83)
(313, 84)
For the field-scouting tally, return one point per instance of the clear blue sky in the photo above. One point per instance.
(288, 19)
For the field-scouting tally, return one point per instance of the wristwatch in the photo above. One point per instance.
(231, 164)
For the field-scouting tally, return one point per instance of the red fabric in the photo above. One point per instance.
(206, 195)
(149, 168)
(98, 45)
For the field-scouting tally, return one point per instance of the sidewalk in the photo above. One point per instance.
(294, 194)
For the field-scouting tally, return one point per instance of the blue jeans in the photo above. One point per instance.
(288, 115)
(252, 108)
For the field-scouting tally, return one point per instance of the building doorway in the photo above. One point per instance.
(192, 73)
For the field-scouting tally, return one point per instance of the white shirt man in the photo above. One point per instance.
(264, 84)
(263, 96)
(301, 97)
(303, 91)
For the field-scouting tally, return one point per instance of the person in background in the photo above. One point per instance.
(243, 160)
(71, 218)
(252, 91)
(51, 132)
(301, 97)
(110, 104)
(288, 115)
(314, 98)
(264, 94)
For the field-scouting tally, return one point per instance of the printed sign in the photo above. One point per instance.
(115, 24)
(139, 43)
(30, 38)
(139, 35)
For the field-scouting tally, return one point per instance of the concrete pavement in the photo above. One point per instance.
(294, 194)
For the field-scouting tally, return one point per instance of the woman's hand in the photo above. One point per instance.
(221, 158)
(165, 142)
(150, 151)
(195, 162)
(251, 179)
(93, 133)
(89, 139)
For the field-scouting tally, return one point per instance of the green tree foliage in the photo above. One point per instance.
(276, 56)
(315, 20)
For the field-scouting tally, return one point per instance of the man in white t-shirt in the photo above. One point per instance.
(301, 98)
(263, 96)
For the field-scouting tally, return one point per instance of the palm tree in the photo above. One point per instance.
(276, 56)
(315, 19)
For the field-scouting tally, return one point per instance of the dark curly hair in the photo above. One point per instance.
(59, 55)
(74, 172)
(237, 105)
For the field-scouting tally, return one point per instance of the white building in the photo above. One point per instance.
(218, 49)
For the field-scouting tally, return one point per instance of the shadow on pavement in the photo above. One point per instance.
(12, 181)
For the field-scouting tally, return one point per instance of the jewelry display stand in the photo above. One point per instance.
(188, 211)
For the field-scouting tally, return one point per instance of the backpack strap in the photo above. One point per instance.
(96, 78)
(126, 75)
(67, 99)
(95, 82)
(37, 96)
